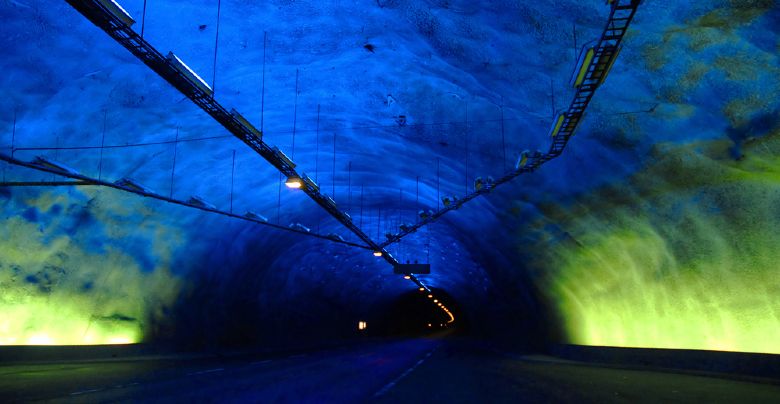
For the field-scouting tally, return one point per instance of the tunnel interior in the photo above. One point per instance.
(654, 228)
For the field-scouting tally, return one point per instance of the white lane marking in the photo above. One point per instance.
(205, 371)
(121, 386)
(392, 384)
(85, 392)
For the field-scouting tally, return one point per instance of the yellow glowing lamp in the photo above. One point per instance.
(436, 300)
(430, 296)
(407, 277)
(584, 61)
(422, 289)
(558, 124)
(377, 253)
(293, 183)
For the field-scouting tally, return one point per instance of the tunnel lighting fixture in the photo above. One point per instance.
(422, 289)
(377, 253)
(293, 182)
(407, 277)
(190, 74)
(436, 300)
(430, 296)
(117, 11)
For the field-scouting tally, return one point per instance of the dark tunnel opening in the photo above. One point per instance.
(418, 313)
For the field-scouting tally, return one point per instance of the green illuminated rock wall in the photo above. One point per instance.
(683, 255)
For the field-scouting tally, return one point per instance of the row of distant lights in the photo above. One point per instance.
(422, 289)
(296, 183)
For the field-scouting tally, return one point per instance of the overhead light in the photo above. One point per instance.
(430, 296)
(407, 277)
(293, 182)
(422, 289)
(436, 300)
(377, 253)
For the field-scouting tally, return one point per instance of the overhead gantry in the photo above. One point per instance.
(130, 186)
(592, 69)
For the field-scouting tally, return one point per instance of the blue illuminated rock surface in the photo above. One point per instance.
(655, 227)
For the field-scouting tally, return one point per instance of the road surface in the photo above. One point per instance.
(405, 371)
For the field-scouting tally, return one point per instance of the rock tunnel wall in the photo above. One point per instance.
(679, 253)
(654, 229)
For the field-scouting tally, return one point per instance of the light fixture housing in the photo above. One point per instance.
(293, 183)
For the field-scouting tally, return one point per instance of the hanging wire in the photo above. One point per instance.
(317, 148)
(208, 138)
(216, 48)
(467, 147)
(349, 186)
(279, 201)
(175, 150)
(262, 94)
(438, 179)
(143, 20)
(102, 143)
(503, 137)
(295, 114)
(123, 146)
(232, 179)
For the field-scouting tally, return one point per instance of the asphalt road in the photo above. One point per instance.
(407, 371)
